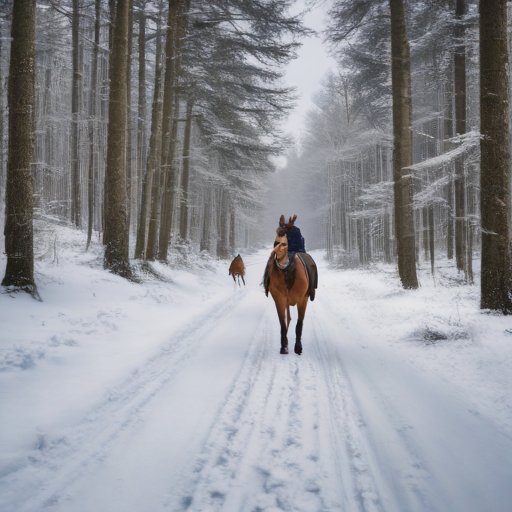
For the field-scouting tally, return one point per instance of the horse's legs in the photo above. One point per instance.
(288, 317)
(301, 308)
(243, 280)
(281, 312)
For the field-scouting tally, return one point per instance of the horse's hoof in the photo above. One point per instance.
(298, 349)
(284, 350)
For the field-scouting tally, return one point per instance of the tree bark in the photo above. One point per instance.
(232, 229)
(185, 172)
(151, 183)
(141, 114)
(495, 158)
(460, 129)
(75, 107)
(431, 238)
(402, 147)
(129, 167)
(92, 120)
(2, 117)
(112, 19)
(207, 219)
(175, 34)
(18, 230)
(222, 237)
(116, 232)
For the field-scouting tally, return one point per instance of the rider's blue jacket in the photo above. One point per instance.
(295, 240)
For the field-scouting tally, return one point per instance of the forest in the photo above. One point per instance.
(144, 145)
(154, 126)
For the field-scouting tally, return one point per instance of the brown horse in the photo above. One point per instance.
(289, 285)
(237, 268)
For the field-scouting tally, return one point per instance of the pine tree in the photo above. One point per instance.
(496, 279)
(92, 115)
(402, 148)
(75, 106)
(460, 129)
(19, 235)
(116, 214)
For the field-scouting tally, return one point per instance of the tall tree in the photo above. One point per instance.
(176, 19)
(75, 106)
(116, 214)
(131, 185)
(145, 246)
(142, 99)
(19, 234)
(402, 148)
(92, 120)
(185, 172)
(460, 129)
(496, 279)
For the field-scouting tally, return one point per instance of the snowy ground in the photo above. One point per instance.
(171, 395)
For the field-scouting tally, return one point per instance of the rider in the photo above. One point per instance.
(288, 242)
(293, 234)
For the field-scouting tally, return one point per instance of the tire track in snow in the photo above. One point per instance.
(265, 449)
(375, 433)
(292, 435)
(48, 472)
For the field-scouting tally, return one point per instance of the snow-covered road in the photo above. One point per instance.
(217, 420)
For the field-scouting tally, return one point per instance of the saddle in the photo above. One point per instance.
(311, 271)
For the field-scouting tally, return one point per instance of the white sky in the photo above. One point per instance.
(306, 72)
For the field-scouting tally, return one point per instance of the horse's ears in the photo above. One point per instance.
(292, 220)
(282, 222)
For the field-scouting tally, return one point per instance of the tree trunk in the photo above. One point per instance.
(116, 232)
(75, 107)
(207, 220)
(425, 231)
(495, 158)
(232, 229)
(431, 236)
(168, 181)
(112, 17)
(151, 183)
(448, 134)
(175, 35)
(130, 188)
(141, 114)
(2, 117)
(402, 147)
(18, 230)
(92, 120)
(222, 238)
(460, 129)
(185, 173)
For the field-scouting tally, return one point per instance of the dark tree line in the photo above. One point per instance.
(151, 123)
(157, 120)
(397, 148)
